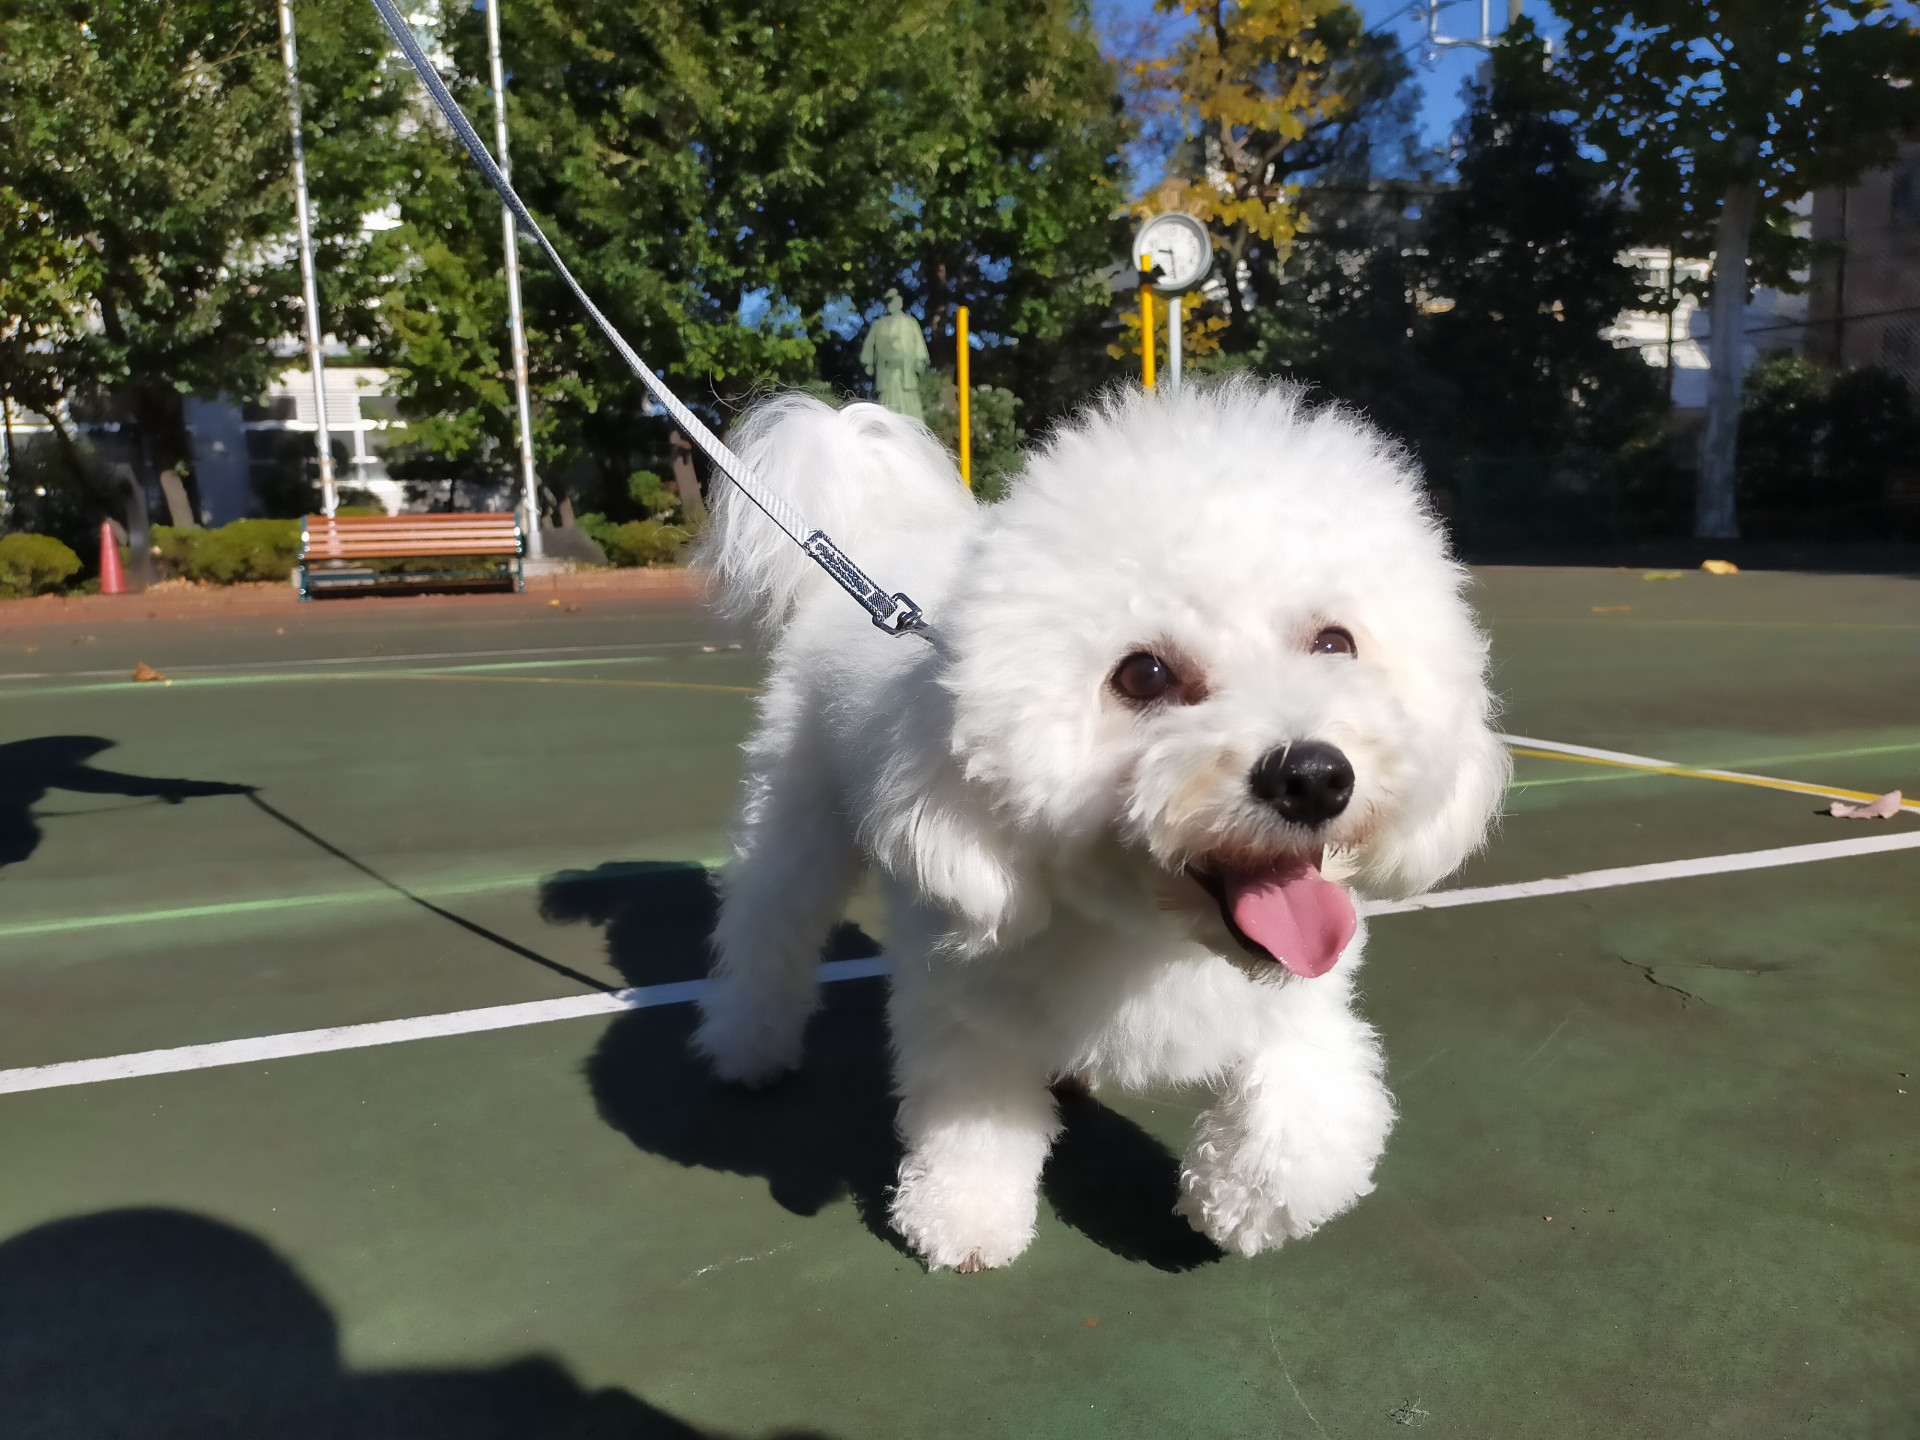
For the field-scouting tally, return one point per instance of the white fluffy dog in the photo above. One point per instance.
(1205, 669)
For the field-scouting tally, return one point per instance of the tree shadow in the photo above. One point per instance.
(30, 768)
(157, 1324)
(826, 1132)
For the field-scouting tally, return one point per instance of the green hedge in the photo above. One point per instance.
(34, 564)
(238, 551)
(638, 542)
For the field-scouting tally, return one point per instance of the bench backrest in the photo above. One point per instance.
(388, 537)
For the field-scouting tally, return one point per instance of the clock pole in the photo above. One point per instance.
(1186, 258)
(1173, 344)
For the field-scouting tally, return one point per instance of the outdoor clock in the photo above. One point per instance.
(1180, 246)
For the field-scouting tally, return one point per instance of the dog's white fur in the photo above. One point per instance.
(1031, 829)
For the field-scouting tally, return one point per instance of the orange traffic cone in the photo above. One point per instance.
(113, 579)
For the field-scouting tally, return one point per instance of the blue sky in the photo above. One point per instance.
(1439, 75)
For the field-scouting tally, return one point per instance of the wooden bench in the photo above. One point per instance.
(335, 549)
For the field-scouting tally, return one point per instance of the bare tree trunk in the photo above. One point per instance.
(1714, 514)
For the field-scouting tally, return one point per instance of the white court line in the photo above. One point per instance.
(1660, 870)
(573, 1007)
(379, 1032)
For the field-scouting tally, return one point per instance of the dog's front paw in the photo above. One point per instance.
(963, 1221)
(1250, 1208)
(747, 1041)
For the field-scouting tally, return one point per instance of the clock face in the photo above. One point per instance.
(1180, 246)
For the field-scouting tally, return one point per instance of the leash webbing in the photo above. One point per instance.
(894, 613)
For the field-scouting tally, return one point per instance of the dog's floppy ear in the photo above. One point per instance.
(929, 827)
(1436, 842)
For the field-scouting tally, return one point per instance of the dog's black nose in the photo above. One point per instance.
(1308, 781)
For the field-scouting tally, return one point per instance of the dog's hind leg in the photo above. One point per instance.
(794, 867)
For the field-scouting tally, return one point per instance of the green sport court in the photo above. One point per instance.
(343, 1088)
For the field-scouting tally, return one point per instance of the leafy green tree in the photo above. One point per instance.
(144, 173)
(1721, 115)
(1469, 317)
(733, 182)
(1522, 274)
(1253, 97)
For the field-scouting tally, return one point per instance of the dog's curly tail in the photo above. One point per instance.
(873, 480)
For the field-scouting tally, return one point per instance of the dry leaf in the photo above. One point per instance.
(144, 671)
(1719, 567)
(1885, 808)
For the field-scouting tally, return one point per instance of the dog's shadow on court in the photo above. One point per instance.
(827, 1132)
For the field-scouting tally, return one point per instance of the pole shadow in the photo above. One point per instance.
(827, 1132)
(31, 768)
(157, 1324)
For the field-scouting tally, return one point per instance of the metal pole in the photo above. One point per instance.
(529, 482)
(1173, 344)
(323, 441)
(963, 372)
(1146, 321)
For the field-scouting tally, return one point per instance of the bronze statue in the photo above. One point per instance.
(895, 355)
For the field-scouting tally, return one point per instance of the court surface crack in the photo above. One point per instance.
(1646, 972)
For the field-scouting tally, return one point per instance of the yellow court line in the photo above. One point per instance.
(1765, 782)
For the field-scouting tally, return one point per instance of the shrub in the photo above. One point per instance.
(599, 529)
(173, 550)
(647, 490)
(240, 550)
(646, 542)
(996, 437)
(33, 565)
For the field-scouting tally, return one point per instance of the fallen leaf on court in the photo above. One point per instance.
(1610, 609)
(1719, 567)
(144, 671)
(1885, 808)
(572, 610)
(1661, 574)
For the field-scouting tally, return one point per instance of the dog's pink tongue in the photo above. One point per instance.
(1302, 918)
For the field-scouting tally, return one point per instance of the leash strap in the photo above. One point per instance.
(894, 613)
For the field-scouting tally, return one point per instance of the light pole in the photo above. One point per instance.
(529, 482)
(322, 439)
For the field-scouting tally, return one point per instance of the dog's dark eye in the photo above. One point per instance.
(1333, 641)
(1144, 677)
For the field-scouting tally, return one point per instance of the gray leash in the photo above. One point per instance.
(894, 613)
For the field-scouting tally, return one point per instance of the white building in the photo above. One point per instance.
(1774, 322)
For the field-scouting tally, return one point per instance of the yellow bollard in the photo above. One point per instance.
(963, 372)
(1146, 321)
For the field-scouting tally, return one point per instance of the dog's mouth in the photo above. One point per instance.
(1286, 912)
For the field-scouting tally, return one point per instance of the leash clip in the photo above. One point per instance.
(895, 614)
